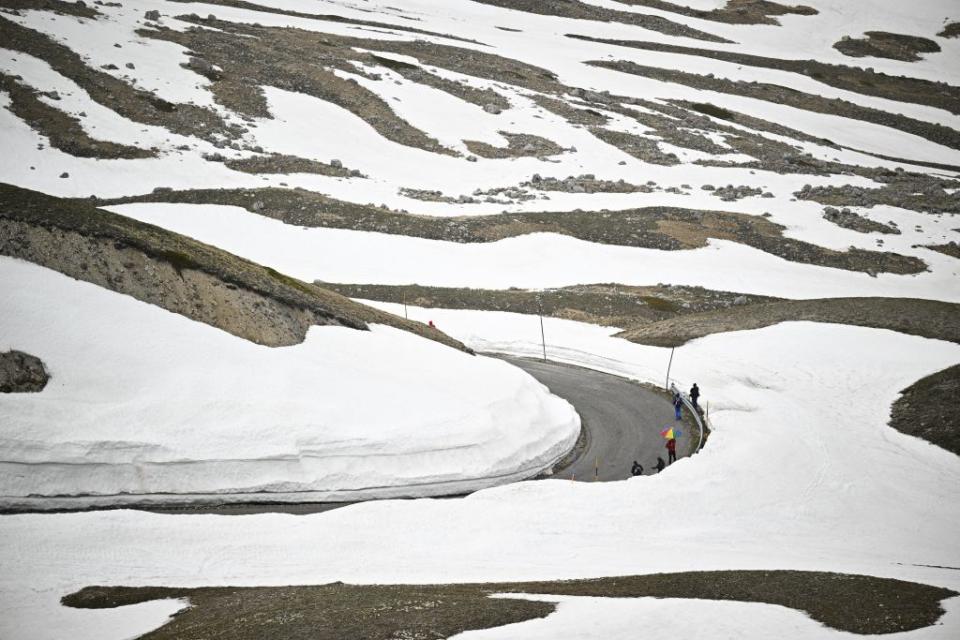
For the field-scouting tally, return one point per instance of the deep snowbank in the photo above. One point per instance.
(144, 402)
(801, 472)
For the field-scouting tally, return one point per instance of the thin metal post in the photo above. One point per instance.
(669, 364)
(405, 306)
(543, 338)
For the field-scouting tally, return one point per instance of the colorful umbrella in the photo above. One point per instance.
(670, 433)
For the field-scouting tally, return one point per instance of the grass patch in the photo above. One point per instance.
(852, 603)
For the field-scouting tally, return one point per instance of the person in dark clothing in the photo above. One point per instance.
(637, 469)
(677, 404)
(660, 464)
(695, 395)
(671, 450)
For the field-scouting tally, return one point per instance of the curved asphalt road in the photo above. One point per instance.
(623, 419)
(622, 422)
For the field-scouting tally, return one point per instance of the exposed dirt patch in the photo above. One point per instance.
(927, 318)
(115, 94)
(571, 114)
(252, 6)
(929, 409)
(519, 145)
(951, 30)
(791, 97)
(851, 220)
(177, 273)
(856, 79)
(670, 316)
(951, 248)
(21, 373)
(79, 9)
(639, 147)
(487, 98)
(853, 603)
(582, 11)
(279, 163)
(241, 59)
(63, 130)
(611, 305)
(881, 44)
(734, 12)
(922, 193)
(665, 228)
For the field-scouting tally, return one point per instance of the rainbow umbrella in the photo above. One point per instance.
(670, 433)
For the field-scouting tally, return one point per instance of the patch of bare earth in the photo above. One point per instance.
(519, 145)
(882, 44)
(787, 96)
(733, 12)
(851, 603)
(177, 273)
(577, 10)
(114, 93)
(927, 318)
(929, 409)
(21, 373)
(666, 228)
(951, 248)
(62, 129)
(604, 304)
(859, 80)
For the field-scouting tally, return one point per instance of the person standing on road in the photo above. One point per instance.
(677, 404)
(637, 469)
(660, 464)
(671, 450)
(695, 395)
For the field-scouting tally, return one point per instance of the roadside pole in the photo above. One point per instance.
(669, 364)
(405, 306)
(543, 339)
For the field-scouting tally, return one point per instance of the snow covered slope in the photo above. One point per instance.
(147, 406)
(465, 144)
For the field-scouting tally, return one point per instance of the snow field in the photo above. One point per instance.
(145, 402)
(800, 473)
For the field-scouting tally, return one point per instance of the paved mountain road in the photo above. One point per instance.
(623, 419)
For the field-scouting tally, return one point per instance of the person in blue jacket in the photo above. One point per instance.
(677, 404)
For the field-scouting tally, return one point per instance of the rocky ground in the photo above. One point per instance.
(603, 304)
(21, 373)
(928, 409)
(881, 44)
(177, 273)
(670, 316)
(667, 228)
(851, 603)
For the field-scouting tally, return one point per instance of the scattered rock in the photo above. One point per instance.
(850, 220)
(21, 373)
